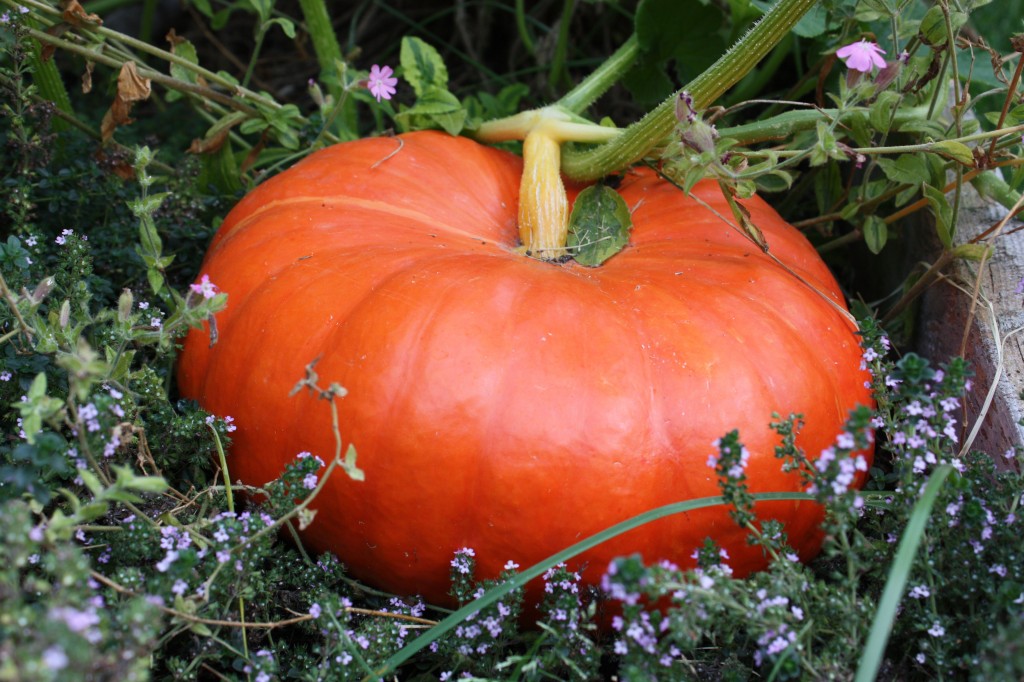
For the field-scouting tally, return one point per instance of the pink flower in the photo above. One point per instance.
(205, 287)
(381, 83)
(862, 56)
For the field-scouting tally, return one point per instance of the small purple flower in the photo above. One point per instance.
(204, 287)
(381, 83)
(314, 610)
(862, 56)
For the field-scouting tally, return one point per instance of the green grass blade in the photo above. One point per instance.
(885, 614)
(496, 593)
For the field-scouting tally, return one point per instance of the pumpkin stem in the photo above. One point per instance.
(543, 205)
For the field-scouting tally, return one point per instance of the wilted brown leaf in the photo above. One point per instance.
(210, 144)
(49, 48)
(76, 15)
(131, 88)
(173, 38)
(87, 78)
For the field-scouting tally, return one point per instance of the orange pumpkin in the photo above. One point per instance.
(500, 402)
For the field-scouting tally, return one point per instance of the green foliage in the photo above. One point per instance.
(127, 555)
(598, 226)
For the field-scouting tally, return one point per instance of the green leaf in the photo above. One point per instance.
(880, 114)
(975, 252)
(943, 214)
(91, 481)
(774, 181)
(437, 108)
(647, 81)
(742, 216)
(598, 226)
(690, 33)
(156, 280)
(286, 25)
(876, 232)
(422, 66)
(933, 25)
(353, 471)
(907, 169)
(187, 51)
(955, 150)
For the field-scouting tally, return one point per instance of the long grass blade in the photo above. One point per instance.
(538, 569)
(885, 614)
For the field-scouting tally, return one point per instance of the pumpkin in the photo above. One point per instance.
(503, 403)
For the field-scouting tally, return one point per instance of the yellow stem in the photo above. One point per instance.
(543, 206)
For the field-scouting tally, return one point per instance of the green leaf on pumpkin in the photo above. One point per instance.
(598, 226)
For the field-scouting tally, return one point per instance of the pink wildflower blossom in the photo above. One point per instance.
(862, 56)
(381, 83)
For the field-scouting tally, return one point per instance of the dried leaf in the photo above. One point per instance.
(210, 144)
(254, 154)
(76, 15)
(173, 38)
(131, 88)
(87, 78)
(57, 30)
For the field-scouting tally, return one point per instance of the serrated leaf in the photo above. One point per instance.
(437, 108)
(955, 150)
(876, 233)
(598, 226)
(422, 66)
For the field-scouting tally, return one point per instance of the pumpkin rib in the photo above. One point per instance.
(342, 202)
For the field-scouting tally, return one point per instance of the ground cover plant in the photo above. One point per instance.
(133, 554)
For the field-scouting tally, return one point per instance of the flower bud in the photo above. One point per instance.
(124, 305)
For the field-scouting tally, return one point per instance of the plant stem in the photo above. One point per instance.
(141, 46)
(602, 78)
(557, 73)
(261, 33)
(524, 33)
(641, 137)
(155, 76)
